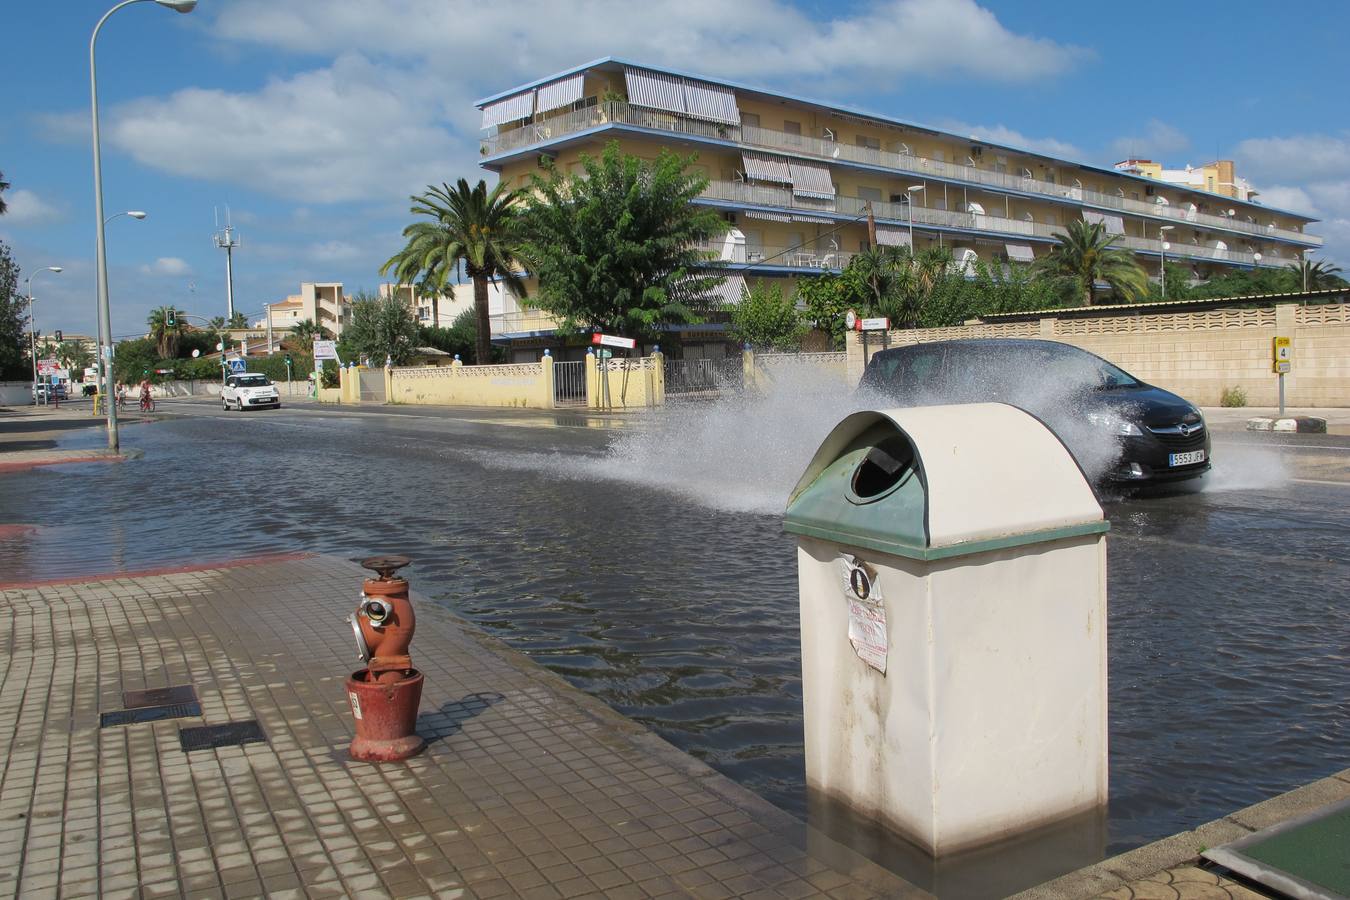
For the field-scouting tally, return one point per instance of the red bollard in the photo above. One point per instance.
(385, 695)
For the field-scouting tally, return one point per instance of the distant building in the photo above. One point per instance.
(1218, 177)
(445, 308)
(323, 303)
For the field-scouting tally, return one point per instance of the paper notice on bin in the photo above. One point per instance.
(866, 612)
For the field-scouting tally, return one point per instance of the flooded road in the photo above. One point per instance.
(654, 573)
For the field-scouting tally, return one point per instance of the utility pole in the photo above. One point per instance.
(267, 314)
(871, 226)
(227, 240)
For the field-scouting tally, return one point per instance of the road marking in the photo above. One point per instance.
(1344, 484)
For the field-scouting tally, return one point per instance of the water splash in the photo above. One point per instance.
(1247, 468)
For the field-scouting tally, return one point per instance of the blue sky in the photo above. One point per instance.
(313, 120)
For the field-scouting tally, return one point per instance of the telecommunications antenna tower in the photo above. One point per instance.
(227, 240)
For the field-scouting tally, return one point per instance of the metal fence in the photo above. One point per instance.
(372, 385)
(569, 383)
(693, 376)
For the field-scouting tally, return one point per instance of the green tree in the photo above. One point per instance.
(615, 249)
(134, 358)
(165, 336)
(473, 225)
(827, 299)
(1084, 253)
(306, 332)
(14, 361)
(381, 327)
(1318, 276)
(238, 320)
(459, 339)
(766, 320)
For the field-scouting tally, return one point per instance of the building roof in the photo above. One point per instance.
(616, 61)
(1170, 305)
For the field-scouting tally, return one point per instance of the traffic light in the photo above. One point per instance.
(58, 335)
(170, 318)
(288, 360)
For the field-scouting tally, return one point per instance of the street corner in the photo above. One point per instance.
(21, 460)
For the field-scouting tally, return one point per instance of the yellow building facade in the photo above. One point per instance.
(796, 178)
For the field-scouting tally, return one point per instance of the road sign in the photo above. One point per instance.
(609, 340)
(47, 366)
(236, 364)
(1282, 354)
(325, 350)
(874, 324)
(850, 319)
(164, 371)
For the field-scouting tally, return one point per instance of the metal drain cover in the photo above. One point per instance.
(149, 714)
(209, 737)
(169, 696)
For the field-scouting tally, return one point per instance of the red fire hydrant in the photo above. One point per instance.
(384, 695)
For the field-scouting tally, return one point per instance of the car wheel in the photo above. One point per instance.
(224, 404)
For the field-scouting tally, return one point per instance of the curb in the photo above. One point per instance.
(1295, 424)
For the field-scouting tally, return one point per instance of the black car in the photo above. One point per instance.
(1119, 429)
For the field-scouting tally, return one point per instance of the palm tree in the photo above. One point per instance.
(1084, 253)
(475, 225)
(305, 333)
(74, 355)
(4, 186)
(1315, 276)
(166, 336)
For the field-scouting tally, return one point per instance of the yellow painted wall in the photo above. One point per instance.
(523, 385)
(633, 383)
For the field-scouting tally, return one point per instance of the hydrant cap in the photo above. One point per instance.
(385, 566)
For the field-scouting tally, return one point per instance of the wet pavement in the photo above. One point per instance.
(661, 582)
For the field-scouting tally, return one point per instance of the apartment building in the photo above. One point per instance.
(795, 179)
(440, 311)
(324, 303)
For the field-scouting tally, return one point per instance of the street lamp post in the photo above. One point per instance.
(1162, 266)
(102, 339)
(1304, 267)
(32, 324)
(909, 207)
(101, 262)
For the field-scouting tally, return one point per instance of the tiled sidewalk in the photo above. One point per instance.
(528, 787)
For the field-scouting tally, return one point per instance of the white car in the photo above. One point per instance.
(249, 391)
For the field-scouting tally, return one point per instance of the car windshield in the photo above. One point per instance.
(252, 381)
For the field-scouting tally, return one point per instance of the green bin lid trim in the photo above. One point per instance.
(896, 522)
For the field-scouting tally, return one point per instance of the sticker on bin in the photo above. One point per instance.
(866, 612)
(1186, 459)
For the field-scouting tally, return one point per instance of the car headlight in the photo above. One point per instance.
(1114, 424)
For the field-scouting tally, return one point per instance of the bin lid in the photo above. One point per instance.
(938, 481)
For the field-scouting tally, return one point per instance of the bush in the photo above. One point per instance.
(1233, 397)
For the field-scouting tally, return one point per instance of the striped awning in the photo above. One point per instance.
(563, 92)
(711, 101)
(810, 180)
(521, 106)
(731, 290)
(763, 167)
(654, 90)
(818, 220)
(1114, 224)
(1020, 252)
(892, 237)
(767, 216)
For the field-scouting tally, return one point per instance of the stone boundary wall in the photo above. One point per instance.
(1195, 354)
(16, 393)
(763, 370)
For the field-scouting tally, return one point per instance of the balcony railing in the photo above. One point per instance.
(805, 145)
(789, 257)
(740, 193)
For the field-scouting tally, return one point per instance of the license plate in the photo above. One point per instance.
(1186, 459)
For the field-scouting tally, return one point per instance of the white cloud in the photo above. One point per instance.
(1296, 158)
(753, 38)
(1001, 134)
(167, 265)
(1159, 142)
(1290, 197)
(350, 131)
(334, 251)
(27, 208)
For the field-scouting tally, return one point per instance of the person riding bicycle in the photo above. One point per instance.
(145, 393)
(121, 394)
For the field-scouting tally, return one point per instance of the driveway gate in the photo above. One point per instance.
(569, 383)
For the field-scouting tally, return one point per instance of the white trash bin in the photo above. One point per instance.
(952, 564)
